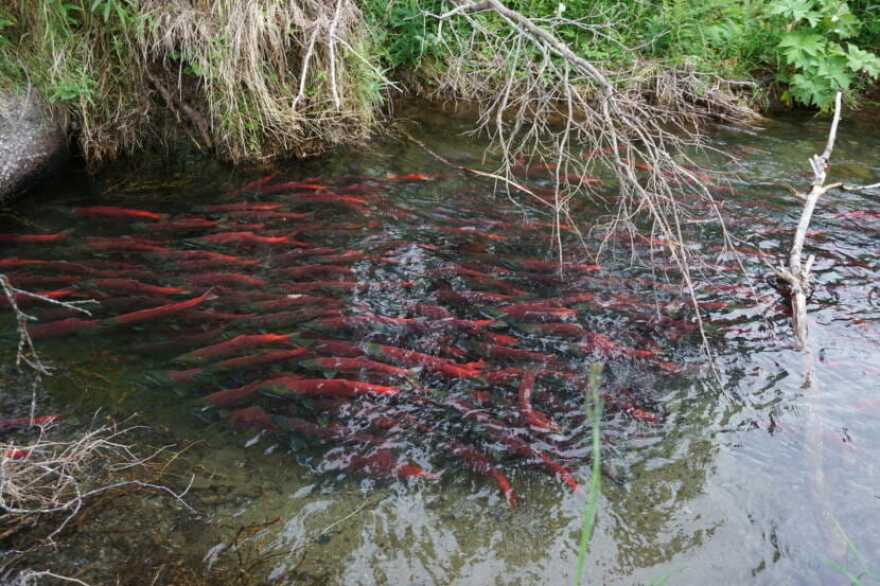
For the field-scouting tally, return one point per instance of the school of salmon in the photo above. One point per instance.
(396, 342)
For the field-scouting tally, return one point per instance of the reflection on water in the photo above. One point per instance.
(372, 253)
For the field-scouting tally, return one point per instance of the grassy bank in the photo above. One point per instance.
(253, 80)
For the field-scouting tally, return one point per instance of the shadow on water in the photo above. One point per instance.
(745, 481)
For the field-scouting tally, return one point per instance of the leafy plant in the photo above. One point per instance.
(815, 63)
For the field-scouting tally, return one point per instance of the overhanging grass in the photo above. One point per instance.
(249, 79)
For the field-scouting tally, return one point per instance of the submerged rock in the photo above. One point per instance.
(32, 143)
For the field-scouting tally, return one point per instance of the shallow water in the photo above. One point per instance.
(753, 479)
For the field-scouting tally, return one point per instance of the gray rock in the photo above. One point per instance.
(32, 143)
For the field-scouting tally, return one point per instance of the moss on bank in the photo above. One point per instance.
(254, 80)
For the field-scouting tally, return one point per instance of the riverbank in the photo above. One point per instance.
(247, 82)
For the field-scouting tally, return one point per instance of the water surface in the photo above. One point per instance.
(753, 478)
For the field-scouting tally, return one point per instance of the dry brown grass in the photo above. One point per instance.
(250, 80)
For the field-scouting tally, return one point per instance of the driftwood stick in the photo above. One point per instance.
(797, 275)
(852, 187)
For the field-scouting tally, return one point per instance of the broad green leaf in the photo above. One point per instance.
(795, 10)
(798, 47)
(864, 61)
(811, 91)
(834, 69)
(839, 20)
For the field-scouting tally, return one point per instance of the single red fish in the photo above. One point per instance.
(470, 231)
(203, 315)
(553, 266)
(250, 417)
(117, 213)
(858, 215)
(629, 407)
(232, 397)
(244, 206)
(123, 244)
(500, 339)
(296, 300)
(354, 366)
(42, 421)
(411, 177)
(193, 375)
(158, 312)
(15, 263)
(132, 286)
(412, 358)
(323, 433)
(179, 343)
(349, 200)
(261, 215)
(533, 418)
(469, 297)
(63, 327)
(34, 238)
(283, 319)
(432, 311)
(555, 329)
(599, 343)
(333, 347)
(29, 280)
(234, 346)
(181, 225)
(333, 286)
(204, 256)
(338, 259)
(242, 238)
(288, 386)
(254, 185)
(473, 326)
(291, 186)
(383, 463)
(506, 353)
(537, 312)
(303, 253)
(209, 279)
(363, 323)
(481, 464)
(315, 270)
(26, 299)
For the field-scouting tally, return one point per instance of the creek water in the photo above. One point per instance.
(746, 475)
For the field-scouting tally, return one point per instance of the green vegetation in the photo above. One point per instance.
(251, 80)
(248, 79)
(594, 413)
(815, 64)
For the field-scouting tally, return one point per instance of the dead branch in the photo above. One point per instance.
(30, 577)
(859, 188)
(549, 107)
(27, 352)
(797, 274)
(45, 477)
